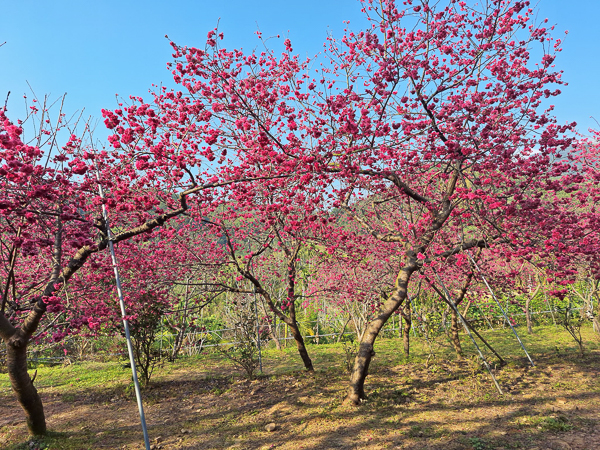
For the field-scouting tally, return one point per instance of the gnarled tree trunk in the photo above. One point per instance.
(22, 384)
(356, 391)
(16, 341)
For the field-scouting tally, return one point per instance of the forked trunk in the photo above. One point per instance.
(22, 384)
(178, 343)
(290, 319)
(356, 391)
(293, 324)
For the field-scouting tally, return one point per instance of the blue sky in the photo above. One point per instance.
(93, 50)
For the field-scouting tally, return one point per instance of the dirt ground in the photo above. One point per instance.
(427, 404)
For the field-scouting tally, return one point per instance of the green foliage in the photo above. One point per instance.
(243, 350)
(478, 443)
(572, 320)
(144, 329)
(555, 424)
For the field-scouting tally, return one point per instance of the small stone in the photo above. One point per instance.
(185, 431)
(270, 427)
(560, 445)
(579, 442)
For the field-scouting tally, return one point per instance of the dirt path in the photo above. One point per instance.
(438, 405)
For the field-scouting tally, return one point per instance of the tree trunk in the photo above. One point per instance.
(27, 395)
(407, 316)
(274, 336)
(272, 326)
(596, 325)
(290, 319)
(343, 330)
(530, 296)
(301, 347)
(356, 391)
(454, 336)
(528, 314)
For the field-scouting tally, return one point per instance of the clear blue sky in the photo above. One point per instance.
(93, 50)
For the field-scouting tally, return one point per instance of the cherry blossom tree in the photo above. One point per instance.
(51, 221)
(434, 115)
(259, 242)
(449, 136)
(427, 129)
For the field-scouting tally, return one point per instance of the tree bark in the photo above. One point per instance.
(17, 339)
(289, 320)
(407, 316)
(272, 326)
(343, 330)
(356, 392)
(300, 345)
(27, 395)
(274, 336)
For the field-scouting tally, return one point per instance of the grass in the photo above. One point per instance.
(423, 401)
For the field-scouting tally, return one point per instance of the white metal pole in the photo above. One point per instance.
(113, 256)
(462, 319)
(501, 309)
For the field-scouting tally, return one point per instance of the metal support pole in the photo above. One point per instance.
(257, 332)
(113, 256)
(501, 309)
(462, 319)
